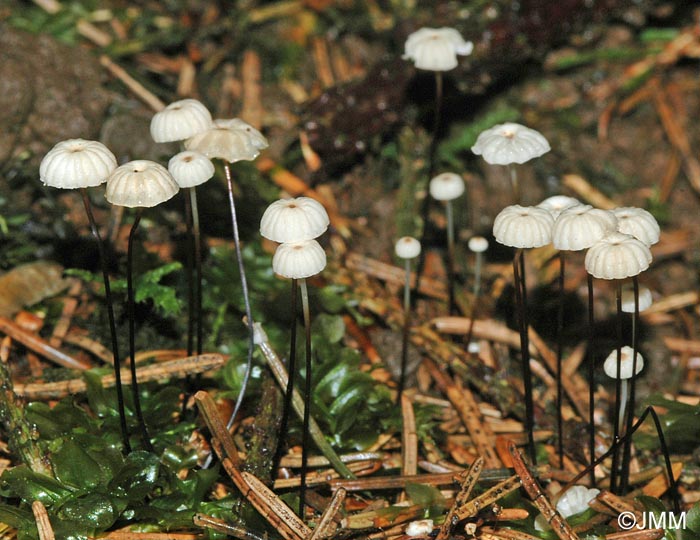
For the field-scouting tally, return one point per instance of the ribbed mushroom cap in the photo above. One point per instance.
(446, 186)
(639, 223)
(140, 183)
(77, 163)
(190, 169)
(478, 244)
(617, 256)
(523, 227)
(298, 260)
(575, 500)
(557, 204)
(626, 357)
(510, 143)
(179, 121)
(230, 139)
(645, 298)
(581, 226)
(436, 49)
(294, 220)
(407, 247)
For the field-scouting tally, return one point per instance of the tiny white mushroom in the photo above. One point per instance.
(407, 247)
(617, 256)
(523, 227)
(645, 298)
(478, 244)
(557, 204)
(579, 227)
(180, 120)
(436, 49)
(299, 260)
(421, 527)
(510, 143)
(140, 183)
(639, 223)
(228, 139)
(294, 220)
(446, 186)
(77, 163)
(627, 365)
(190, 169)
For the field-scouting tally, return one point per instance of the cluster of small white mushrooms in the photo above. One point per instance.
(295, 224)
(510, 144)
(618, 244)
(228, 140)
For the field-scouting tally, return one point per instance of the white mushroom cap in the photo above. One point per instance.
(478, 244)
(436, 49)
(645, 299)
(626, 357)
(557, 204)
(140, 183)
(617, 256)
(639, 223)
(179, 121)
(523, 227)
(407, 247)
(446, 186)
(232, 140)
(510, 143)
(575, 500)
(298, 260)
(421, 527)
(77, 163)
(581, 226)
(190, 169)
(294, 220)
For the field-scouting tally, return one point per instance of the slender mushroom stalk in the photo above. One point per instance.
(576, 227)
(521, 228)
(476, 244)
(79, 164)
(233, 140)
(138, 184)
(190, 169)
(510, 144)
(622, 364)
(295, 223)
(176, 122)
(447, 187)
(617, 256)
(406, 248)
(298, 261)
(436, 50)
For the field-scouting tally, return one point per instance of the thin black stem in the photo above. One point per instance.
(673, 484)
(112, 324)
(521, 301)
(627, 448)
(591, 380)
(425, 205)
(190, 276)
(560, 347)
(198, 266)
(451, 258)
(291, 372)
(618, 391)
(406, 329)
(132, 332)
(246, 297)
(307, 399)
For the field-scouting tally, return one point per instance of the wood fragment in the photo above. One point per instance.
(502, 533)
(129, 535)
(279, 515)
(323, 477)
(40, 346)
(395, 275)
(326, 525)
(492, 495)
(230, 529)
(252, 108)
(86, 343)
(409, 438)
(483, 329)
(93, 33)
(43, 524)
(468, 480)
(587, 192)
(658, 485)
(179, 368)
(463, 401)
(617, 504)
(560, 526)
(645, 534)
(322, 61)
(186, 78)
(132, 84)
